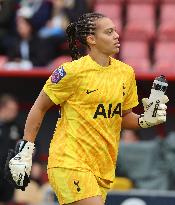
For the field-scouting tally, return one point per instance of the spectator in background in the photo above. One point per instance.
(41, 11)
(57, 24)
(130, 136)
(133, 201)
(63, 12)
(127, 137)
(36, 172)
(7, 15)
(27, 50)
(54, 30)
(150, 175)
(75, 8)
(10, 133)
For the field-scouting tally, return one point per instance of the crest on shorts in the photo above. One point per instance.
(58, 74)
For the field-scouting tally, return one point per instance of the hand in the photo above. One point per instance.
(151, 118)
(19, 163)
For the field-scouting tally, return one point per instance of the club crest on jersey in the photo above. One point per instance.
(58, 74)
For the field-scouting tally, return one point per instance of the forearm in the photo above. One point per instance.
(36, 115)
(33, 123)
(130, 121)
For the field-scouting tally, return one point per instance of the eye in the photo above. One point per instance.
(109, 31)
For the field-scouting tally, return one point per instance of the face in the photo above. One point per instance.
(59, 4)
(128, 136)
(23, 28)
(106, 38)
(10, 111)
(36, 170)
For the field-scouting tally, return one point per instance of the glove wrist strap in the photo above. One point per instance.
(25, 148)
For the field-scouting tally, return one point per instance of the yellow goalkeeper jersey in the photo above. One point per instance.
(92, 99)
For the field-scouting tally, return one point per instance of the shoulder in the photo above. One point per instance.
(68, 70)
(75, 67)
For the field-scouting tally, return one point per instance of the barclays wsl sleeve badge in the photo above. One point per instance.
(58, 74)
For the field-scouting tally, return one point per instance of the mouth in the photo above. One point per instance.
(117, 44)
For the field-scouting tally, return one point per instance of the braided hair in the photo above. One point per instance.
(79, 30)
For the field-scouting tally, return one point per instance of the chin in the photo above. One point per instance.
(115, 51)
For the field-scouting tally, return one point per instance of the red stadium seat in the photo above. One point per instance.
(142, 1)
(139, 65)
(112, 11)
(141, 22)
(136, 54)
(58, 61)
(164, 67)
(134, 49)
(167, 1)
(108, 1)
(164, 50)
(164, 56)
(166, 30)
(167, 12)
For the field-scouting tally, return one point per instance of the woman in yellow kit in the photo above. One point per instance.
(96, 94)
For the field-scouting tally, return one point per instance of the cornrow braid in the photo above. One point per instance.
(79, 30)
(72, 39)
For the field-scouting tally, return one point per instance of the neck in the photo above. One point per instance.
(100, 58)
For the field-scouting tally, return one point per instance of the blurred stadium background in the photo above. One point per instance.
(33, 43)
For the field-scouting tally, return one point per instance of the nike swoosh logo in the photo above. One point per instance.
(90, 91)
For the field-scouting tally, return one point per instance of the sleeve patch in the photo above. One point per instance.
(58, 74)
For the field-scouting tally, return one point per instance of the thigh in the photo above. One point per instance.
(73, 185)
(96, 200)
(105, 186)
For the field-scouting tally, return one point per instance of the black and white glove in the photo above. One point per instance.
(19, 163)
(154, 116)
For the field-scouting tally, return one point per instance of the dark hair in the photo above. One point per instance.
(79, 30)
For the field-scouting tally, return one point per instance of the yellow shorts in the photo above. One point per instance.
(73, 185)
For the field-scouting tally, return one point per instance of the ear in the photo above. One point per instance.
(91, 39)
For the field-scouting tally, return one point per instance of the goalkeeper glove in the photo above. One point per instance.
(154, 116)
(19, 163)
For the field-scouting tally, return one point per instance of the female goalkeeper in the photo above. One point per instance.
(96, 94)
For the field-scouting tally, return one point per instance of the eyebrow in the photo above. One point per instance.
(111, 28)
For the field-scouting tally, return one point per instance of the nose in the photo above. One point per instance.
(116, 35)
